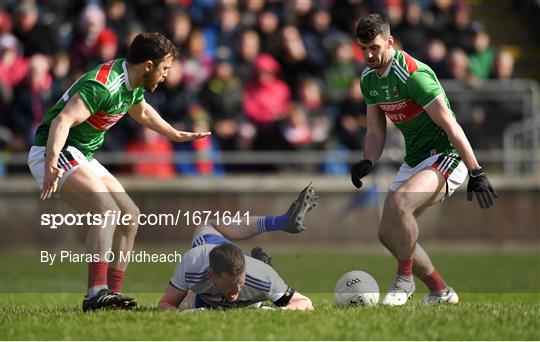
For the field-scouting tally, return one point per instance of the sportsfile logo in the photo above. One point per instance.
(117, 218)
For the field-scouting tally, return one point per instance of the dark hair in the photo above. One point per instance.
(227, 258)
(371, 26)
(151, 46)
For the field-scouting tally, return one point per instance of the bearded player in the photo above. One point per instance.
(62, 160)
(437, 160)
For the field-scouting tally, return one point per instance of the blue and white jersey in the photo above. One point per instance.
(262, 281)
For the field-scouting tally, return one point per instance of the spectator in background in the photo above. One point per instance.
(350, 127)
(312, 100)
(297, 129)
(36, 37)
(503, 68)
(266, 103)
(6, 24)
(297, 13)
(33, 97)
(481, 59)
(458, 33)
(119, 18)
(394, 12)
(293, 56)
(178, 27)
(268, 29)
(250, 13)
(13, 66)
(204, 149)
(248, 50)
(341, 71)
(412, 32)
(222, 96)
(197, 65)
(84, 46)
(316, 37)
(60, 72)
(133, 30)
(436, 57)
(158, 155)
(229, 26)
(439, 16)
(459, 67)
(106, 47)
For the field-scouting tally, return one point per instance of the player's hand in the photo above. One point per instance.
(51, 177)
(360, 170)
(480, 185)
(182, 136)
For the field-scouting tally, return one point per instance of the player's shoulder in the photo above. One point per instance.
(259, 275)
(366, 74)
(406, 67)
(109, 75)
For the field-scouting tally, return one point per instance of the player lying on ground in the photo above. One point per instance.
(218, 275)
(62, 158)
(437, 158)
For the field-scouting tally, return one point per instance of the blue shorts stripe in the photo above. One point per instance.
(212, 239)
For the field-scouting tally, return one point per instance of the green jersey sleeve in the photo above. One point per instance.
(423, 87)
(365, 91)
(139, 95)
(95, 96)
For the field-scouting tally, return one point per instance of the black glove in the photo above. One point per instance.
(479, 184)
(360, 170)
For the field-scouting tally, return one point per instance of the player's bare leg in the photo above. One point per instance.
(124, 235)
(294, 221)
(399, 233)
(85, 192)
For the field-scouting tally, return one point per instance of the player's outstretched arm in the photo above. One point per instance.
(147, 116)
(478, 181)
(299, 302)
(171, 299)
(373, 146)
(74, 113)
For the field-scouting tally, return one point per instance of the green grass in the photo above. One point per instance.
(500, 300)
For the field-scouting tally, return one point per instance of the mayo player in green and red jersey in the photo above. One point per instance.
(438, 155)
(62, 160)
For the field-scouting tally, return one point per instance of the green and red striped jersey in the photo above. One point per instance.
(108, 95)
(402, 92)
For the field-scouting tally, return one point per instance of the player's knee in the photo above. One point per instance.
(401, 203)
(132, 226)
(107, 208)
(384, 236)
(134, 212)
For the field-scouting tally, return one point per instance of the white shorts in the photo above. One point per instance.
(70, 159)
(453, 170)
(207, 235)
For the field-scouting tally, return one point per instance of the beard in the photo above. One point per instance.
(149, 83)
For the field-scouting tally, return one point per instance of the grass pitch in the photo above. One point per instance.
(500, 300)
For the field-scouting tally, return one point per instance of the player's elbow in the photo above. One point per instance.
(62, 121)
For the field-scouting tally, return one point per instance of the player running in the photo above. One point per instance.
(437, 158)
(220, 276)
(61, 159)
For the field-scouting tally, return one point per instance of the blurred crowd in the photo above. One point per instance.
(260, 74)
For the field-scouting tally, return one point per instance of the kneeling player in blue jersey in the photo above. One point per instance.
(219, 275)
